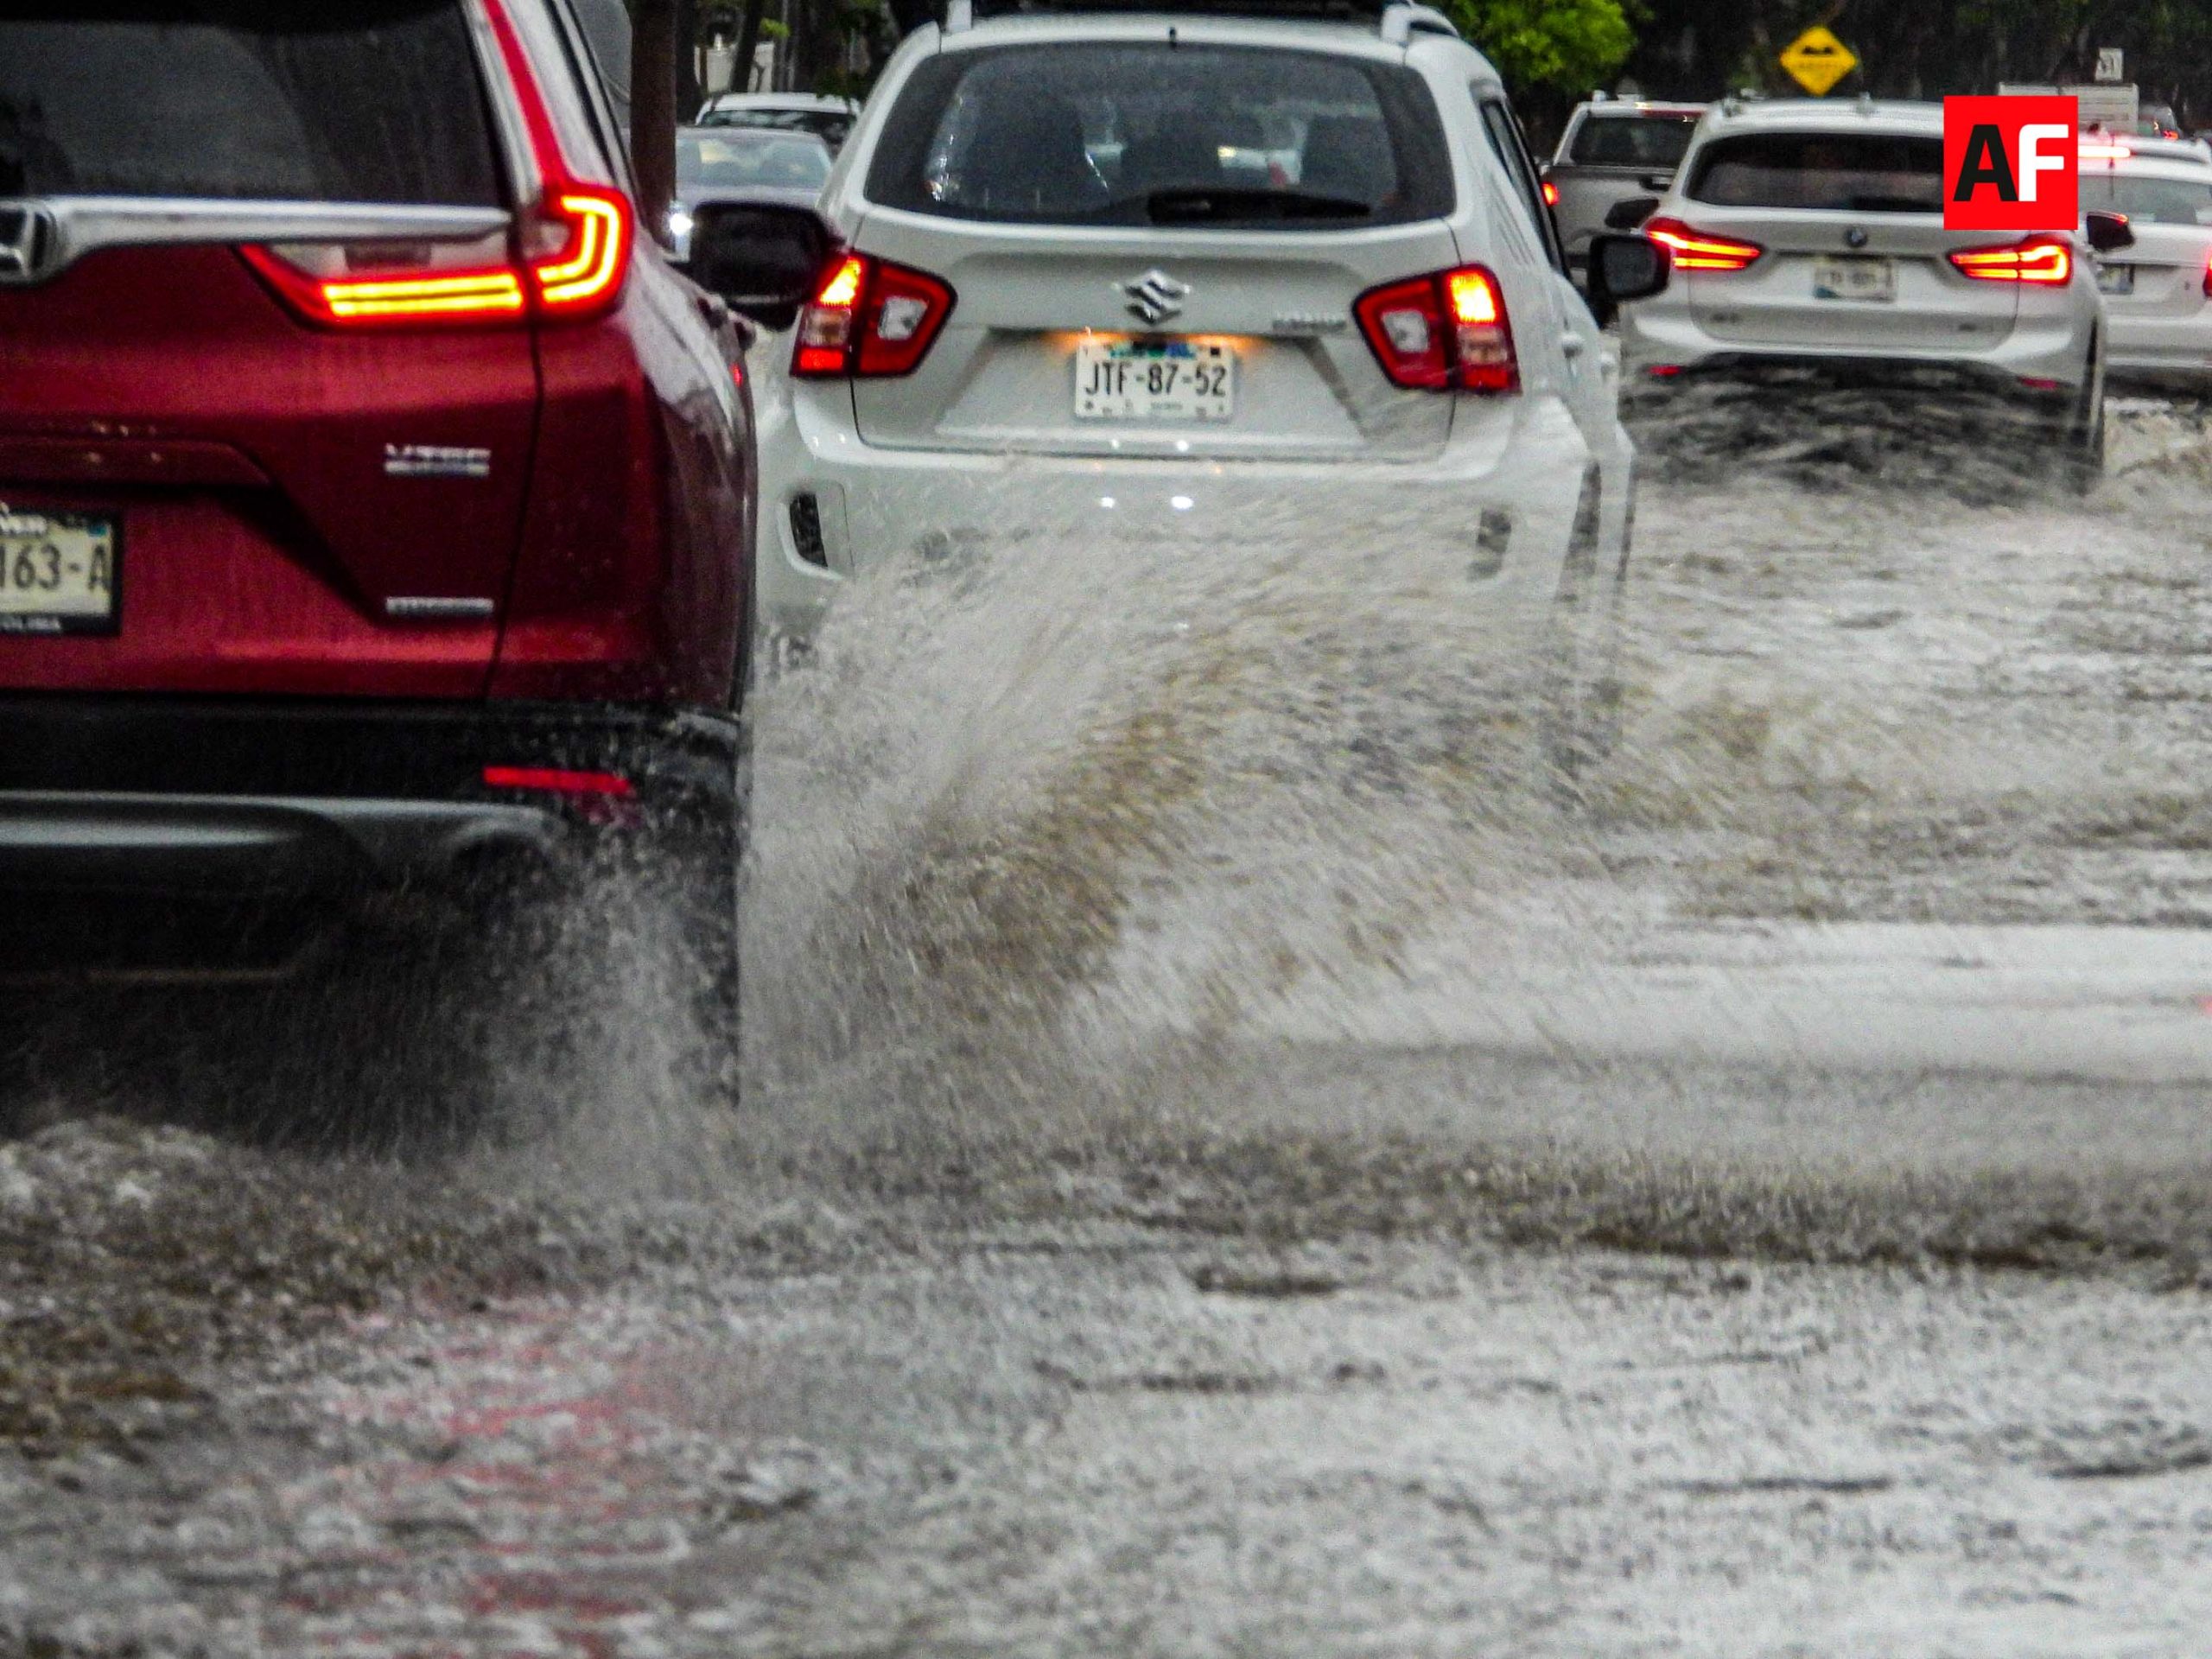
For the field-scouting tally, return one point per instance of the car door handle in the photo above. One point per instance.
(1573, 343)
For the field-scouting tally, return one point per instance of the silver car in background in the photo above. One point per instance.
(742, 164)
(1812, 233)
(1614, 149)
(2158, 291)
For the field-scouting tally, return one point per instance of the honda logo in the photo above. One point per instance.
(1155, 296)
(26, 236)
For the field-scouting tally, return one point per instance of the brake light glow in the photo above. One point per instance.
(589, 271)
(2045, 260)
(870, 318)
(551, 781)
(567, 259)
(1551, 194)
(1696, 249)
(1445, 332)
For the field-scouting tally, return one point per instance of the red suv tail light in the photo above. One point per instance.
(590, 232)
(2044, 259)
(870, 317)
(568, 261)
(1696, 249)
(1445, 332)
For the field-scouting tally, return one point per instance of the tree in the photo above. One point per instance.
(1561, 45)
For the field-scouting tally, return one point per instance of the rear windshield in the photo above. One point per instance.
(1141, 132)
(1842, 172)
(734, 159)
(373, 100)
(830, 126)
(1653, 141)
(2152, 202)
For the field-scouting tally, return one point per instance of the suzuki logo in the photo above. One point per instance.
(26, 233)
(1155, 296)
(1855, 237)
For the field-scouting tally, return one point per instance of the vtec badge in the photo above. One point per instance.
(434, 460)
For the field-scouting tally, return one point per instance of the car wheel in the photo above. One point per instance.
(2084, 437)
(693, 878)
(1583, 695)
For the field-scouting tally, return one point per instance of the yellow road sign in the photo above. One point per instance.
(1816, 60)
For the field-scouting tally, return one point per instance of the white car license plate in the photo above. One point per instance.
(1154, 380)
(58, 572)
(1835, 277)
(2115, 279)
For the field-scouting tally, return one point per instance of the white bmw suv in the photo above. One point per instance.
(1808, 233)
(1190, 271)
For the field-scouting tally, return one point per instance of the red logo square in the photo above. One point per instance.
(2010, 163)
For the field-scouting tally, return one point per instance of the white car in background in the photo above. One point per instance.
(741, 164)
(2158, 291)
(1811, 233)
(828, 117)
(1062, 297)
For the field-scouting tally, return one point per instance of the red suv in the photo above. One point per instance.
(375, 500)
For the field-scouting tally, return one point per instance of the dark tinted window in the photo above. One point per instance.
(1506, 144)
(2160, 201)
(1843, 172)
(372, 101)
(737, 157)
(830, 126)
(1110, 133)
(1652, 141)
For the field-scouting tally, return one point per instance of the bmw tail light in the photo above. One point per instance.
(1445, 332)
(2047, 260)
(870, 318)
(1696, 249)
(567, 260)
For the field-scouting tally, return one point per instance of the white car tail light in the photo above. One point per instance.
(1446, 332)
(2047, 260)
(870, 318)
(1696, 249)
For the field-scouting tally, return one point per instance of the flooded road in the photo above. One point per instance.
(1237, 1160)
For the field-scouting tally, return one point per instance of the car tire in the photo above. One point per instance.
(692, 879)
(2084, 433)
(1583, 695)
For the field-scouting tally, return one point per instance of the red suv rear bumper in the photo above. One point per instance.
(335, 801)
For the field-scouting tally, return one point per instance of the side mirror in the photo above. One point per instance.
(2108, 232)
(1627, 215)
(762, 260)
(1624, 268)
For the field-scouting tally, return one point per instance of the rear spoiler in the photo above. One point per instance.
(1396, 20)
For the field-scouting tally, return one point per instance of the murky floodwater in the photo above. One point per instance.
(1203, 1066)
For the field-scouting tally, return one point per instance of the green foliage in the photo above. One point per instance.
(1567, 45)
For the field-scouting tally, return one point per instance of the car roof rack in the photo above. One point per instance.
(1396, 20)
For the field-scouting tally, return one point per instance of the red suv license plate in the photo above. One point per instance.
(60, 573)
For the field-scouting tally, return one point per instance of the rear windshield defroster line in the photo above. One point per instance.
(1832, 172)
(1140, 132)
(296, 100)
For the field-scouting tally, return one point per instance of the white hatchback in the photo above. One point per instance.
(1187, 276)
(1811, 233)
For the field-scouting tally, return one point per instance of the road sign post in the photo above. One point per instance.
(1816, 60)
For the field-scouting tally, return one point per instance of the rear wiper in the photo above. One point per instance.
(1199, 204)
